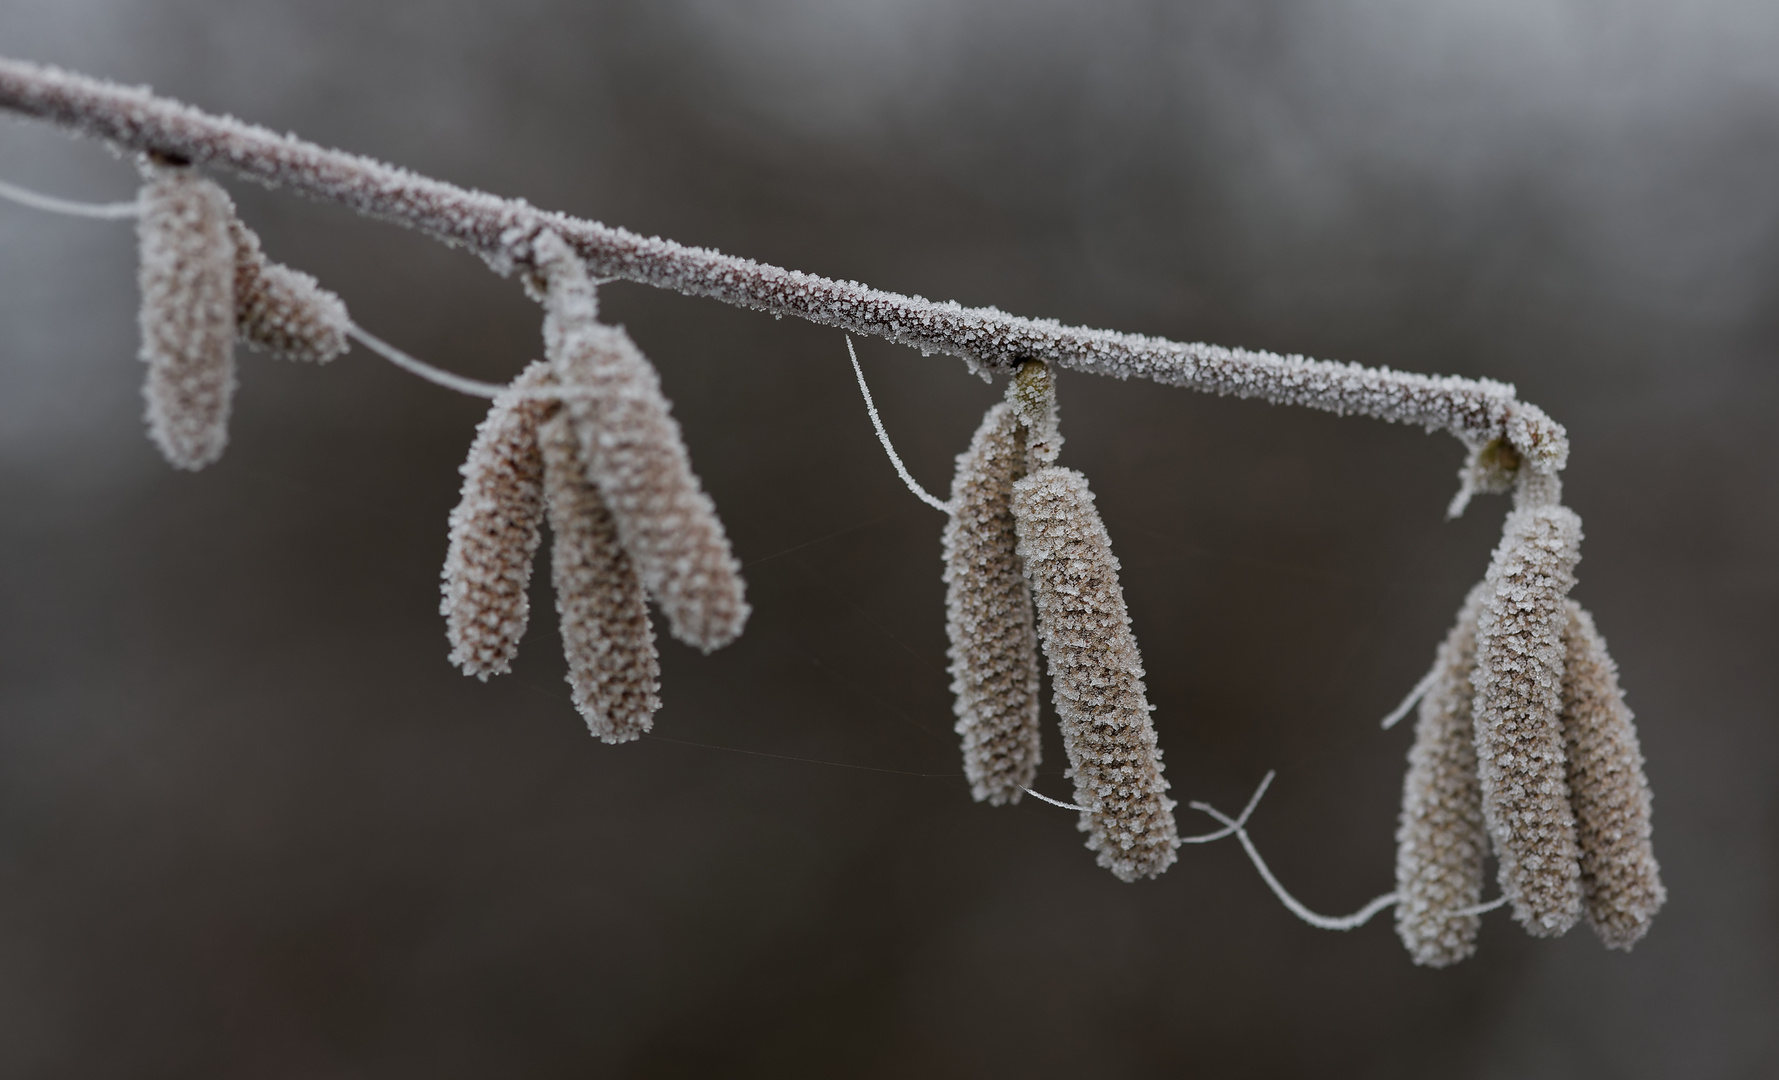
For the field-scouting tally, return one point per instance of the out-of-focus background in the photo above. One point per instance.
(252, 823)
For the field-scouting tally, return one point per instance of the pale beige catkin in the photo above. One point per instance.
(284, 311)
(988, 615)
(1519, 741)
(495, 529)
(1440, 839)
(1621, 884)
(613, 668)
(1096, 674)
(636, 457)
(187, 318)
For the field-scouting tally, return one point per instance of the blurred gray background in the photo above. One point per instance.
(252, 823)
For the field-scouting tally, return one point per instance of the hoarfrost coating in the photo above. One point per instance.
(988, 615)
(613, 668)
(1440, 839)
(186, 276)
(635, 456)
(495, 529)
(1096, 675)
(503, 231)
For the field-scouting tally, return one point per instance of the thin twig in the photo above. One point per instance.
(501, 232)
(1322, 922)
(920, 493)
(426, 371)
(1409, 702)
(39, 201)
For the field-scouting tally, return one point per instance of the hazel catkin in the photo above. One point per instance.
(607, 639)
(1440, 838)
(1621, 884)
(1518, 680)
(1096, 674)
(495, 529)
(988, 615)
(636, 457)
(187, 318)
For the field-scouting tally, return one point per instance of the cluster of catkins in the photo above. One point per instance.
(1022, 529)
(205, 283)
(1524, 744)
(584, 438)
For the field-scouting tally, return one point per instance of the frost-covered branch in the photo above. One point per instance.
(1523, 743)
(501, 231)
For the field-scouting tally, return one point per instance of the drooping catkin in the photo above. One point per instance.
(606, 635)
(1441, 840)
(1096, 674)
(635, 456)
(186, 276)
(988, 615)
(1519, 739)
(284, 311)
(1621, 884)
(495, 529)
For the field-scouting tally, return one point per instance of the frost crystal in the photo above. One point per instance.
(1441, 841)
(1620, 882)
(187, 319)
(1519, 740)
(495, 530)
(635, 456)
(1096, 674)
(988, 615)
(284, 311)
(606, 635)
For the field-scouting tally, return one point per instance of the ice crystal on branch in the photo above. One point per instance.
(635, 456)
(495, 530)
(186, 276)
(1096, 674)
(606, 636)
(988, 615)
(1519, 740)
(1621, 884)
(1441, 840)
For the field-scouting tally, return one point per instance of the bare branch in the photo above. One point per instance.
(501, 232)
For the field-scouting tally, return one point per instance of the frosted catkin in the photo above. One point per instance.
(186, 276)
(284, 311)
(495, 529)
(1519, 740)
(988, 615)
(606, 636)
(1621, 885)
(1096, 674)
(1440, 839)
(635, 456)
